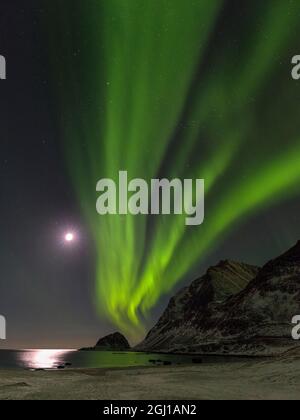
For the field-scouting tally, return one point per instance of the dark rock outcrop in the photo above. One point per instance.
(235, 308)
(115, 341)
(111, 342)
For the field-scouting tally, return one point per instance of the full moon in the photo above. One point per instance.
(69, 237)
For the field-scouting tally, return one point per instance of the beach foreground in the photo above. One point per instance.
(269, 379)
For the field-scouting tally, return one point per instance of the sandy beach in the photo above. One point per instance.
(278, 379)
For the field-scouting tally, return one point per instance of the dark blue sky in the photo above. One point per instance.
(47, 288)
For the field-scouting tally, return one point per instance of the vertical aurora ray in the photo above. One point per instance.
(145, 73)
(138, 80)
(235, 86)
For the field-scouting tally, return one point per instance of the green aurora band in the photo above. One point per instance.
(174, 88)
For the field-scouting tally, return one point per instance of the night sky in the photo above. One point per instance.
(67, 72)
(45, 285)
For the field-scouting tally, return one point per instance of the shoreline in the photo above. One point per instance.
(249, 379)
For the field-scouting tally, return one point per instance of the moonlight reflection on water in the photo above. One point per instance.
(43, 359)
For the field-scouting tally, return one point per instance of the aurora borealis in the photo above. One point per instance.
(173, 88)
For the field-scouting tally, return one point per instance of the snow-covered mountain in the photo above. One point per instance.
(234, 308)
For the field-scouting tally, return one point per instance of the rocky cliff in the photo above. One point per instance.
(114, 341)
(234, 308)
(111, 342)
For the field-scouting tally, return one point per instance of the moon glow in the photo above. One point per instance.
(69, 237)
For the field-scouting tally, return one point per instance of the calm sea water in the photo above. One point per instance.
(52, 359)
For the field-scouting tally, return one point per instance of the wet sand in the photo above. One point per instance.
(277, 379)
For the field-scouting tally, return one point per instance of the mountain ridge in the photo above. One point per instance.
(234, 308)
